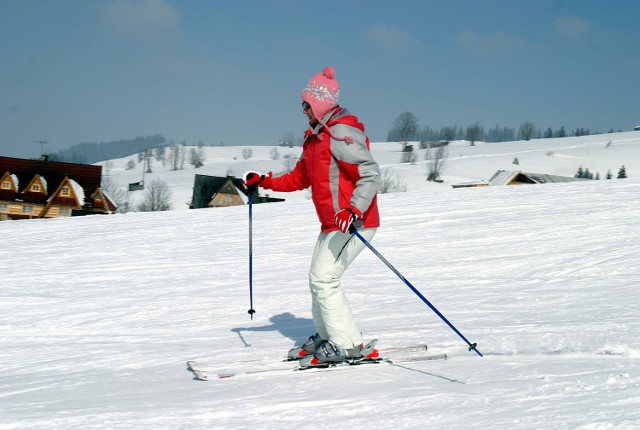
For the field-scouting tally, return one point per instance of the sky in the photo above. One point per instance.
(217, 72)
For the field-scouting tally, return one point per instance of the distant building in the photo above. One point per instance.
(506, 177)
(218, 191)
(49, 189)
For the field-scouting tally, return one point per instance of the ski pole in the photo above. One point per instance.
(472, 346)
(251, 310)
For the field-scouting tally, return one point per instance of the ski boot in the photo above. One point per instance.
(307, 348)
(328, 353)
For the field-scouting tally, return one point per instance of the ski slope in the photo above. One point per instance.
(98, 315)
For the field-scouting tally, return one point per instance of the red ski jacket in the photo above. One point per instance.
(341, 173)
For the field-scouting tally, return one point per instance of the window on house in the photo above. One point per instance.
(4, 207)
(65, 212)
(27, 209)
(35, 187)
(65, 191)
(6, 185)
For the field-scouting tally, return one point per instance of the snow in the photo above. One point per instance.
(99, 314)
(16, 181)
(78, 191)
(465, 163)
(44, 183)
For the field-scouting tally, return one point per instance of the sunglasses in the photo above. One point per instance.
(306, 106)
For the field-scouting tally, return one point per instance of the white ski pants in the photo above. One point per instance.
(332, 316)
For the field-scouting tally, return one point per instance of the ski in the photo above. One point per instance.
(202, 366)
(204, 375)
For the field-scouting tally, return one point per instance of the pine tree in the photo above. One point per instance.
(622, 173)
(587, 174)
(562, 133)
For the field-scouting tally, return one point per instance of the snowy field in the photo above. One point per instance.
(98, 315)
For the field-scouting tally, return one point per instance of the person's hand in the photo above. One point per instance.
(252, 179)
(344, 219)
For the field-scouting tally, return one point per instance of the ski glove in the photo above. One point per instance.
(252, 179)
(345, 218)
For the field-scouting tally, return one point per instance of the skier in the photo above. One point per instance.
(337, 164)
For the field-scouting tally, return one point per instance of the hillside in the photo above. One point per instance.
(98, 315)
(559, 156)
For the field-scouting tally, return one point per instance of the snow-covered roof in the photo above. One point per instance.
(78, 190)
(505, 177)
(43, 181)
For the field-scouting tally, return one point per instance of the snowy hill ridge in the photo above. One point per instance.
(99, 314)
(465, 163)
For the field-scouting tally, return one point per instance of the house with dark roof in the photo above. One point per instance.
(50, 189)
(516, 177)
(218, 191)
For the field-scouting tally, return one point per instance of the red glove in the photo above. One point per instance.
(345, 218)
(252, 179)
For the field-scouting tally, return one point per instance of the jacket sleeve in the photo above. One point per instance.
(295, 180)
(357, 159)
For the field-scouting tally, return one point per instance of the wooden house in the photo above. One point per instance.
(226, 195)
(217, 191)
(507, 177)
(47, 189)
(101, 200)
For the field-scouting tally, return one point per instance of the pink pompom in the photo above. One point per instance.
(329, 72)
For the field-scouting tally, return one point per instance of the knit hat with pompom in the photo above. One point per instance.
(322, 92)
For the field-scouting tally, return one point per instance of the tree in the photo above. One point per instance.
(474, 132)
(145, 156)
(405, 127)
(622, 173)
(117, 194)
(289, 162)
(183, 154)
(157, 197)
(391, 182)
(160, 154)
(450, 133)
(587, 174)
(274, 154)
(175, 157)
(583, 173)
(196, 157)
(436, 158)
(562, 133)
(527, 131)
(500, 134)
(247, 153)
(408, 155)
